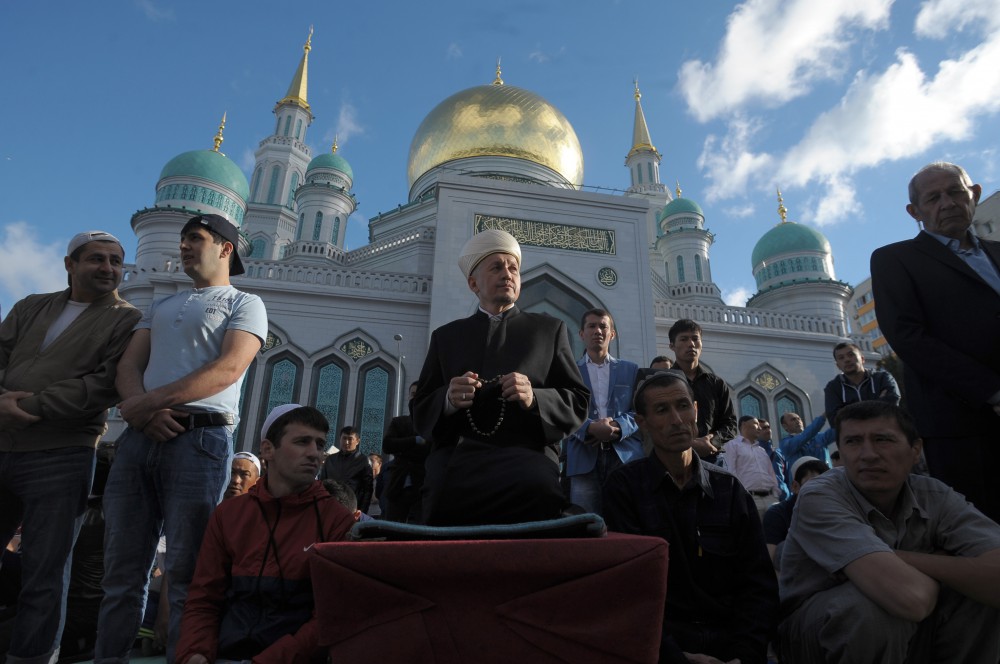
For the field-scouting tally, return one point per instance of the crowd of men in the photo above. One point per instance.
(772, 550)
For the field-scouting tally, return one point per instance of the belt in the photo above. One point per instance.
(607, 446)
(198, 420)
(766, 492)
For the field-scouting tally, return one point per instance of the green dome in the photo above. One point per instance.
(331, 161)
(786, 238)
(209, 165)
(679, 205)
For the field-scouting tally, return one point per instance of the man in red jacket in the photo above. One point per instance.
(251, 597)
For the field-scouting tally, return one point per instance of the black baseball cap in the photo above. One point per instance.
(229, 232)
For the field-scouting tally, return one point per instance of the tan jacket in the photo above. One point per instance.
(73, 380)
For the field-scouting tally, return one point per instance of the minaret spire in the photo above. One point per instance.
(782, 210)
(300, 82)
(498, 80)
(333, 148)
(218, 136)
(640, 132)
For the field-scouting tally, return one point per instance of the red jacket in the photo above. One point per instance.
(251, 595)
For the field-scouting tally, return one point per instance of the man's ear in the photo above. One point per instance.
(911, 209)
(977, 191)
(266, 450)
(225, 252)
(472, 284)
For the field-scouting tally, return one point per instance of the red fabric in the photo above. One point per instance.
(538, 601)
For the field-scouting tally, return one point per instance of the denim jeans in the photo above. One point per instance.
(47, 490)
(173, 486)
(585, 490)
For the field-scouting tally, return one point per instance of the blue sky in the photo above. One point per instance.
(838, 103)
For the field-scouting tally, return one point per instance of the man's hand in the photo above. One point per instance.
(698, 658)
(603, 430)
(162, 426)
(462, 389)
(196, 659)
(703, 446)
(138, 410)
(517, 387)
(12, 418)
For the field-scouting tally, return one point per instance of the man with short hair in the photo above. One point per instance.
(747, 460)
(803, 441)
(251, 596)
(777, 458)
(351, 466)
(881, 564)
(504, 384)
(243, 474)
(716, 417)
(778, 518)
(606, 439)
(937, 298)
(661, 362)
(406, 479)
(58, 359)
(855, 383)
(180, 381)
(723, 597)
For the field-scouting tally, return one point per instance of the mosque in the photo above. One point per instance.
(348, 330)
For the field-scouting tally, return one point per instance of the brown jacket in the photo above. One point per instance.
(73, 380)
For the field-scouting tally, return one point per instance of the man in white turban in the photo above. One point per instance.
(497, 393)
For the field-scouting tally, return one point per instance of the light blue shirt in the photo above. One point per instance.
(975, 258)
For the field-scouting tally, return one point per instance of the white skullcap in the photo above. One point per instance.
(277, 412)
(798, 464)
(249, 456)
(485, 243)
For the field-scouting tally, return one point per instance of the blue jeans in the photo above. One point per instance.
(585, 490)
(47, 490)
(173, 486)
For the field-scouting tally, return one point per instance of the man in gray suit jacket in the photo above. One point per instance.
(937, 298)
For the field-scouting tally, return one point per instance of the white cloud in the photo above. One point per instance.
(729, 163)
(837, 199)
(774, 50)
(27, 264)
(736, 297)
(939, 18)
(454, 51)
(247, 161)
(154, 13)
(740, 211)
(347, 124)
(541, 57)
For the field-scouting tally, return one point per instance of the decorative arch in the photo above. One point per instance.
(291, 190)
(545, 289)
(331, 377)
(282, 383)
(374, 403)
(752, 402)
(777, 393)
(272, 189)
(255, 189)
(317, 226)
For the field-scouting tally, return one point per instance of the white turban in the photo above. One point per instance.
(484, 244)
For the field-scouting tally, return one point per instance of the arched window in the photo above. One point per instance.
(638, 172)
(680, 270)
(257, 248)
(288, 125)
(317, 226)
(697, 268)
(291, 191)
(272, 190)
(254, 441)
(788, 403)
(328, 396)
(256, 183)
(666, 270)
(298, 129)
(751, 404)
(335, 235)
(374, 407)
(281, 384)
(302, 224)
(649, 168)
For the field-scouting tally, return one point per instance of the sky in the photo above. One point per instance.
(837, 103)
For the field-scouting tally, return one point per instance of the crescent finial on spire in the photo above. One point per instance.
(218, 136)
(333, 148)
(782, 210)
(309, 39)
(635, 82)
(678, 189)
(498, 80)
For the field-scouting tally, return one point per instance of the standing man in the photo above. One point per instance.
(778, 462)
(748, 461)
(855, 383)
(180, 383)
(937, 298)
(723, 596)
(881, 565)
(351, 467)
(497, 393)
(605, 440)
(406, 479)
(803, 441)
(58, 359)
(716, 418)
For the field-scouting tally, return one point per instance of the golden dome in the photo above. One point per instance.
(496, 120)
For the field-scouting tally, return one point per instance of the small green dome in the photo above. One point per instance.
(786, 238)
(209, 165)
(331, 161)
(679, 205)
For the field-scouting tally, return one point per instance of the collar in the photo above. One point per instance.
(699, 475)
(741, 439)
(906, 502)
(953, 244)
(868, 375)
(500, 316)
(607, 360)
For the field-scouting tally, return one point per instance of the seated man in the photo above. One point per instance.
(244, 474)
(722, 595)
(880, 564)
(251, 596)
(748, 461)
(778, 518)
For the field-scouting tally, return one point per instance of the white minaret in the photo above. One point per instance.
(324, 202)
(682, 248)
(280, 168)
